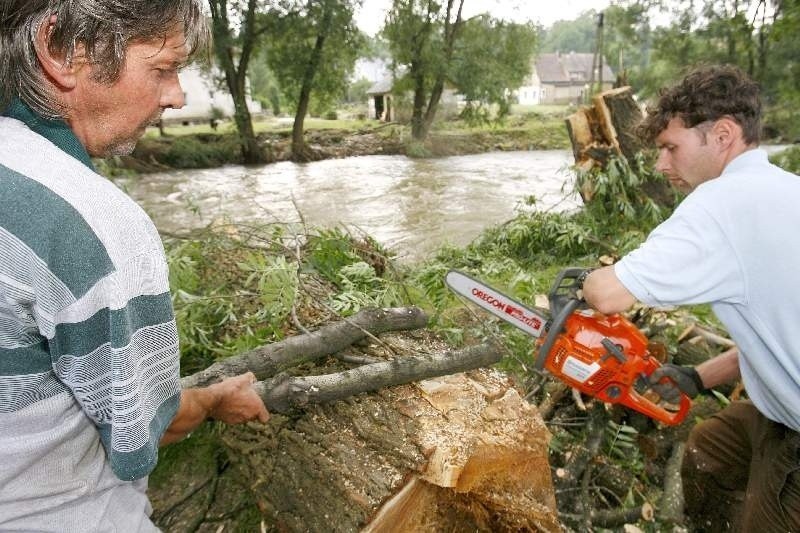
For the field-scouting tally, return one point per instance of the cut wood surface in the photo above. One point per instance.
(456, 453)
(605, 128)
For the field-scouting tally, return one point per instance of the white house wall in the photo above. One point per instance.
(201, 95)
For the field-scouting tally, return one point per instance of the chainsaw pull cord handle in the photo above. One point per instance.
(553, 331)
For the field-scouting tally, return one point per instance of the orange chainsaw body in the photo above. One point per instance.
(580, 359)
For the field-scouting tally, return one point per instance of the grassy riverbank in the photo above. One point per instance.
(200, 146)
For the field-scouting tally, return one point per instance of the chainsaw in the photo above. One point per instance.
(604, 356)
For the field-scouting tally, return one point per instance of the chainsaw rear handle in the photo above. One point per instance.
(565, 288)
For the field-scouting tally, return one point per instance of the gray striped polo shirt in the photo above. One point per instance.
(89, 376)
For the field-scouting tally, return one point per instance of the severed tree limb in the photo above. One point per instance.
(611, 518)
(569, 475)
(268, 360)
(672, 503)
(284, 393)
(548, 405)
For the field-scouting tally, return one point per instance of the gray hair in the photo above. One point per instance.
(103, 27)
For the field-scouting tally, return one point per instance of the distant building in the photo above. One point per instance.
(562, 79)
(370, 69)
(202, 96)
(381, 102)
(386, 106)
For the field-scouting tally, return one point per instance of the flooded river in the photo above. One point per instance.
(411, 205)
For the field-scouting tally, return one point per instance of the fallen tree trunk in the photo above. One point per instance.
(455, 453)
(463, 451)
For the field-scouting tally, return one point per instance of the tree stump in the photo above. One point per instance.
(606, 129)
(460, 452)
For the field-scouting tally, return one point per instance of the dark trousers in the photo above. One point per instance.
(741, 472)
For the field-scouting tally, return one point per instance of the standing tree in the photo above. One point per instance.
(232, 43)
(422, 36)
(492, 58)
(312, 48)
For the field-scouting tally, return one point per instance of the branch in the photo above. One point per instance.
(283, 393)
(571, 472)
(611, 518)
(672, 503)
(268, 360)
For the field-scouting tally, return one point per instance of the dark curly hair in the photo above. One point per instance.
(707, 93)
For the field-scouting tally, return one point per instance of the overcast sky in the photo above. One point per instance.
(373, 12)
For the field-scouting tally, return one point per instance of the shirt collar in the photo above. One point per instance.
(747, 158)
(56, 131)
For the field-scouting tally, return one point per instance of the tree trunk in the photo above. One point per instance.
(459, 453)
(418, 131)
(453, 453)
(300, 152)
(236, 76)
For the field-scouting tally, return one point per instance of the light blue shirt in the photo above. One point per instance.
(734, 243)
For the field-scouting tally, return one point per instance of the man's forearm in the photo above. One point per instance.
(604, 292)
(721, 369)
(195, 407)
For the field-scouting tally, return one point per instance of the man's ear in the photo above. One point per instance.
(725, 132)
(56, 67)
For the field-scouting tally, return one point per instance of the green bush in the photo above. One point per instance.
(788, 159)
(206, 152)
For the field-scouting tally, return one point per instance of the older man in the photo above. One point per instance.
(732, 242)
(89, 356)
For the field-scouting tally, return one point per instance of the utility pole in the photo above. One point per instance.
(597, 59)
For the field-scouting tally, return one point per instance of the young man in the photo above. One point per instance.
(89, 382)
(732, 242)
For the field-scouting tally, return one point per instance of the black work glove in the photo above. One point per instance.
(681, 379)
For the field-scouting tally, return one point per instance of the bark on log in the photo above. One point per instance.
(462, 452)
(284, 393)
(672, 503)
(268, 360)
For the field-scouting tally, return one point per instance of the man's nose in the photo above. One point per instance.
(662, 164)
(173, 95)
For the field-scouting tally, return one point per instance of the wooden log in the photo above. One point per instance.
(672, 503)
(580, 132)
(268, 360)
(462, 452)
(283, 393)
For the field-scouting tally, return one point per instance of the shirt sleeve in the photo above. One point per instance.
(686, 260)
(116, 349)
